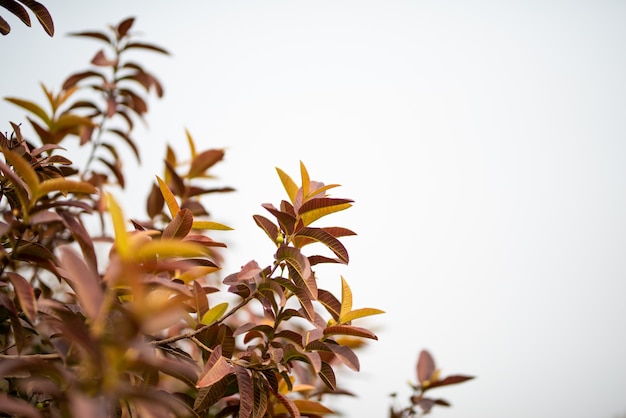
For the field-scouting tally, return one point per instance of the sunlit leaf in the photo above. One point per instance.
(168, 248)
(309, 407)
(23, 168)
(306, 180)
(64, 186)
(359, 313)
(191, 143)
(169, 197)
(315, 209)
(286, 405)
(210, 225)
(346, 299)
(214, 313)
(119, 226)
(290, 186)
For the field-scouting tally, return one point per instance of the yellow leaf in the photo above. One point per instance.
(214, 313)
(306, 407)
(360, 313)
(192, 145)
(169, 248)
(64, 186)
(210, 225)
(119, 226)
(23, 168)
(169, 198)
(346, 299)
(31, 107)
(311, 216)
(306, 181)
(197, 272)
(290, 186)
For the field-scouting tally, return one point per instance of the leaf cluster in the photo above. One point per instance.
(151, 327)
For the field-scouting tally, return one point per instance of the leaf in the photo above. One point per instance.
(327, 375)
(425, 367)
(309, 407)
(42, 14)
(192, 145)
(169, 198)
(64, 186)
(349, 330)
(330, 302)
(76, 78)
(325, 238)
(296, 260)
(25, 295)
(31, 107)
(83, 281)
(95, 35)
(119, 226)
(450, 380)
(17, 9)
(268, 226)
(204, 161)
(146, 46)
(346, 355)
(215, 369)
(168, 248)
(208, 396)
(286, 220)
(246, 391)
(23, 168)
(19, 336)
(209, 225)
(359, 313)
(306, 181)
(290, 186)
(214, 313)
(180, 225)
(123, 27)
(316, 208)
(261, 389)
(201, 303)
(286, 405)
(346, 299)
(18, 407)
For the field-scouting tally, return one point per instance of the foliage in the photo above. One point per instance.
(152, 329)
(39, 10)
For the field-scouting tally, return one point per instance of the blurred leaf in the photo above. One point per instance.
(33, 108)
(25, 295)
(123, 27)
(309, 407)
(425, 367)
(204, 161)
(83, 281)
(119, 226)
(150, 47)
(286, 405)
(64, 186)
(17, 407)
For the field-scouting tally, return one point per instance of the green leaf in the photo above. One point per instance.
(214, 313)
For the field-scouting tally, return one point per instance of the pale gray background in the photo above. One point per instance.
(483, 143)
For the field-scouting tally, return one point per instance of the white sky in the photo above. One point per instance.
(483, 143)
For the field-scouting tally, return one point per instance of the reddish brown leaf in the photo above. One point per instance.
(102, 61)
(146, 46)
(180, 225)
(319, 235)
(330, 302)
(327, 375)
(25, 295)
(346, 355)
(291, 408)
(268, 226)
(286, 220)
(17, 407)
(200, 300)
(83, 281)
(203, 161)
(246, 391)
(18, 331)
(215, 369)
(124, 26)
(76, 78)
(425, 366)
(450, 380)
(350, 330)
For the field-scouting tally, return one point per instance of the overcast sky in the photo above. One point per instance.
(482, 141)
